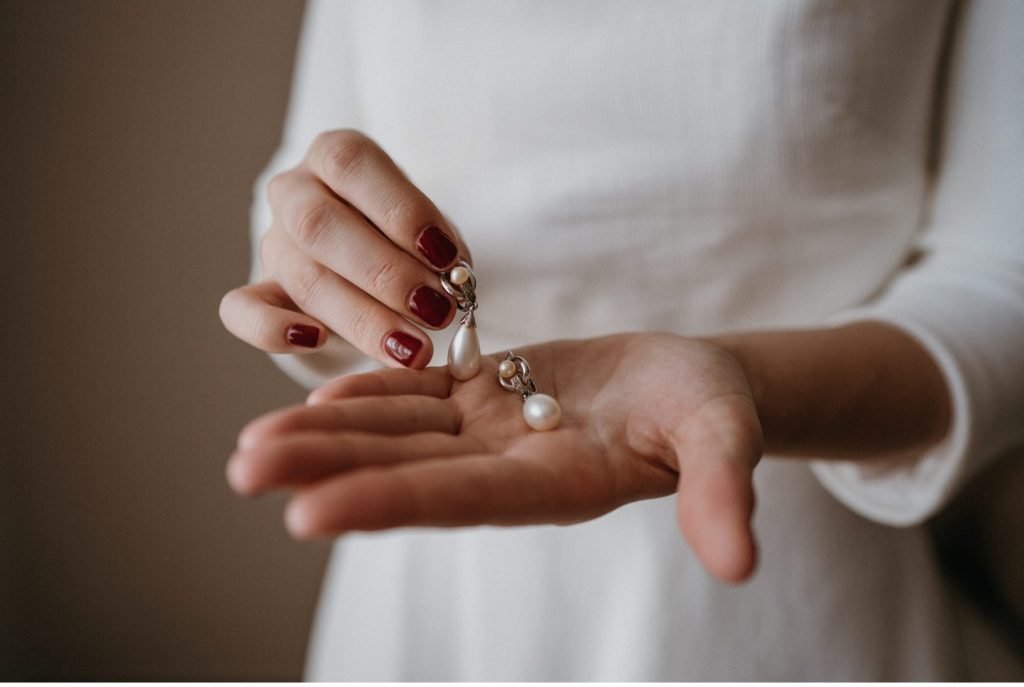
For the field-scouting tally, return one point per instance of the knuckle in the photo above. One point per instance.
(308, 282)
(323, 140)
(277, 187)
(405, 213)
(420, 413)
(360, 325)
(314, 222)
(344, 152)
(386, 278)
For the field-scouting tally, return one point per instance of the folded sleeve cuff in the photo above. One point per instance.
(908, 491)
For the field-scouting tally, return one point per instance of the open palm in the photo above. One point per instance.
(644, 415)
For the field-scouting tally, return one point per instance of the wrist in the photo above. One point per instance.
(740, 348)
(861, 391)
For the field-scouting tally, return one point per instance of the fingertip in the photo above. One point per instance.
(726, 549)
(425, 354)
(735, 559)
(240, 477)
(251, 435)
(736, 545)
(267, 427)
(317, 397)
(299, 519)
(335, 389)
(263, 316)
(225, 306)
(715, 512)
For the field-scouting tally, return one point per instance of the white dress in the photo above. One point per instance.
(693, 167)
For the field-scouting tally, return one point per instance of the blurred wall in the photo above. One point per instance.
(132, 132)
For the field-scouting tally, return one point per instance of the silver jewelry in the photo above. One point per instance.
(464, 351)
(540, 411)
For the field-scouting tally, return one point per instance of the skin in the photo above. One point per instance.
(341, 254)
(645, 415)
(400, 448)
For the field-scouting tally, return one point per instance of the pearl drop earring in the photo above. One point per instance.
(540, 411)
(464, 351)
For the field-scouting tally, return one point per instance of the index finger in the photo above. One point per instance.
(360, 173)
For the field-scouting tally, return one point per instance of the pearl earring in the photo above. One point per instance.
(540, 411)
(464, 351)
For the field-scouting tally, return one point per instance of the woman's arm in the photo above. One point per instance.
(962, 300)
(857, 392)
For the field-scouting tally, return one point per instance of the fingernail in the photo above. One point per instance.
(436, 247)
(430, 305)
(303, 335)
(402, 347)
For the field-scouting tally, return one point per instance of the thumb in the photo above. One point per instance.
(717, 453)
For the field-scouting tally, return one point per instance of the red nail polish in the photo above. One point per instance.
(303, 335)
(430, 305)
(402, 347)
(436, 247)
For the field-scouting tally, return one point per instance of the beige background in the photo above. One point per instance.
(131, 133)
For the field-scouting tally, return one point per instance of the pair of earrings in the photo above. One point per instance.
(540, 411)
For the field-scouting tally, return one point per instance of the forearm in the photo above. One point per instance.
(861, 391)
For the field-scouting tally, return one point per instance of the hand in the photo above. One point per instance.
(643, 415)
(353, 248)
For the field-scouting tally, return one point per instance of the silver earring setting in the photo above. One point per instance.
(540, 411)
(464, 351)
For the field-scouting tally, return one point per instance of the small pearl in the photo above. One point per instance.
(542, 412)
(507, 369)
(458, 276)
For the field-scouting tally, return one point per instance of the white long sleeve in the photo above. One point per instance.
(964, 299)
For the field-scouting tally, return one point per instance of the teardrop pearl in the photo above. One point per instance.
(542, 412)
(464, 353)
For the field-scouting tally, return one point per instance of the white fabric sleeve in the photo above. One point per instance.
(964, 300)
(322, 98)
